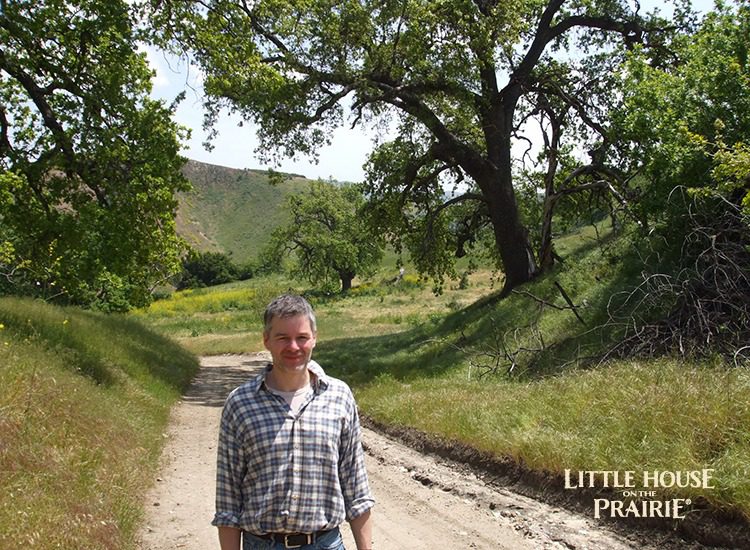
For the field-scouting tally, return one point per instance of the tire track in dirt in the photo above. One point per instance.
(422, 502)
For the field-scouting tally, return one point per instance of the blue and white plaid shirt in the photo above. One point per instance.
(279, 472)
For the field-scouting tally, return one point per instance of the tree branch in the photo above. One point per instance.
(5, 145)
(62, 140)
(459, 199)
(631, 30)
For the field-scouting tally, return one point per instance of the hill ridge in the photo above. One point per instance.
(233, 210)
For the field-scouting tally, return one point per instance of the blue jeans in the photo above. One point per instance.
(330, 541)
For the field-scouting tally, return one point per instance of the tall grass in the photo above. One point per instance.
(415, 359)
(84, 399)
(553, 413)
(638, 416)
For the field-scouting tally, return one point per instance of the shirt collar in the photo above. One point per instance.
(319, 380)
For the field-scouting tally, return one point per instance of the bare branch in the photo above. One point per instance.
(571, 306)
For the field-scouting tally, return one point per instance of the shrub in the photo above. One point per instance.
(201, 269)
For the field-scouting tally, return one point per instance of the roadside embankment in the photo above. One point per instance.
(84, 401)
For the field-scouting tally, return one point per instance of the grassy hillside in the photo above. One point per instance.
(231, 210)
(440, 365)
(84, 400)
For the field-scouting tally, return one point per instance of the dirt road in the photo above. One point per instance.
(422, 503)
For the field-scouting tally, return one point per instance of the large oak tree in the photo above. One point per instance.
(89, 164)
(449, 75)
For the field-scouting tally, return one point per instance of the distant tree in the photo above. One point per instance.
(89, 164)
(201, 269)
(327, 236)
(453, 77)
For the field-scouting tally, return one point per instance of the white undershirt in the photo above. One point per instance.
(293, 398)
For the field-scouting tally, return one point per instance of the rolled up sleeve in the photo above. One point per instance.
(355, 485)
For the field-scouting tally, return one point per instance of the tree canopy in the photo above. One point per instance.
(456, 78)
(688, 127)
(327, 236)
(89, 164)
(201, 269)
(688, 124)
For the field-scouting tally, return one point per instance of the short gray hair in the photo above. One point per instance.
(288, 305)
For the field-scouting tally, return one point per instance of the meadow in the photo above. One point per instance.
(85, 397)
(442, 364)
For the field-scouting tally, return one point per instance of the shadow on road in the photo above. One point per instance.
(219, 376)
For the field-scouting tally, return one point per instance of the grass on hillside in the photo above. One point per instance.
(238, 208)
(415, 359)
(84, 400)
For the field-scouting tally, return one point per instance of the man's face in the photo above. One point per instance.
(290, 341)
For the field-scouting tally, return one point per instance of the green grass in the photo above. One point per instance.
(226, 318)
(84, 400)
(554, 413)
(414, 359)
(214, 320)
(238, 208)
(639, 416)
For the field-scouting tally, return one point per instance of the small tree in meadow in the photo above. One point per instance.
(327, 236)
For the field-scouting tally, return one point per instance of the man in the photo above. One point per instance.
(290, 463)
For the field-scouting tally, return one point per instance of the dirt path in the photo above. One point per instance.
(421, 502)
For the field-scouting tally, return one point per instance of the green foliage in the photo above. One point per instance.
(85, 400)
(731, 171)
(433, 71)
(690, 124)
(328, 237)
(89, 163)
(208, 269)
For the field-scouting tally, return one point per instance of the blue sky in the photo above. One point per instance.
(235, 146)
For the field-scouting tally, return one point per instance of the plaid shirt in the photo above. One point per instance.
(278, 472)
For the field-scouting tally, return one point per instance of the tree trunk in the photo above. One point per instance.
(546, 252)
(495, 179)
(511, 236)
(346, 280)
